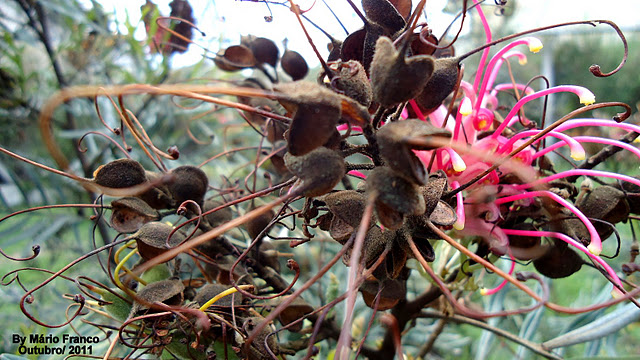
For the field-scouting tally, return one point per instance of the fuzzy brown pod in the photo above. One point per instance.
(437, 184)
(347, 208)
(294, 65)
(353, 46)
(257, 349)
(385, 14)
(403, 6)
(219, 217)
(209, 291)
(257, 225)
(394, 78)
(128, 214)
(397, 153)
(269, 255)
(418, 47)
(190, 183)
(221, 271)
(396, 197)
(558, 262)
(375, 242)
(121, 173)
(264, 50)
(632, 194)
(180, 9)
(603, 203)
(352, 81)
(526, 247)
(168, 292)
(294, 311)
(316, 113)
(158, 197)
(320, 171)
(152, 239)
(235, 58)
(391, 292)
(440, 84)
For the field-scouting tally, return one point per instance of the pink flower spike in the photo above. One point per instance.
(468, 90)
(586, 97)
(465, 109)
(583, 172)
(357, 173)
(595, 246)
(504, 282)
(571, 124)
(522, 59)
(485, 52)
(508, 86)
(591, 139)
(534, 46)
(577, 151)
(570, 241)
(460, 214)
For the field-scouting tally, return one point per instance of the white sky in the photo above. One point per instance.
(226, 20)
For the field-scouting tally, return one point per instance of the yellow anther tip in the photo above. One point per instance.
(535, 45)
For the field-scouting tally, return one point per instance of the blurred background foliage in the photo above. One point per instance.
(48, 45)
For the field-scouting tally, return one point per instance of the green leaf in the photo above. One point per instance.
(118, 308)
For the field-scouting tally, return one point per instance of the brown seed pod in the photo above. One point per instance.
(353, 47)
(397, 153)
(403, 6)
(316, 113)
(394, 78)
(219, 217)
(383, 13)
(391, 292)
(294, 311)
(190, 183)
(420, 48)
(152, 239)
(526, 247)
(264, 50)
(396, 197)
(120, 173)
(256, 226)
(168, 292)
(157, 197)
(353, 82)
(347, 208)
(604, 203)
(209, 291)
(320, 170)
(128, 214)
(294, 65)
(269, 255)
(374, 244)
(633, 195)
(436, 185)
(558, 262)
(440, 85)
(221, 271)
(235, 58)
(257, 350)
